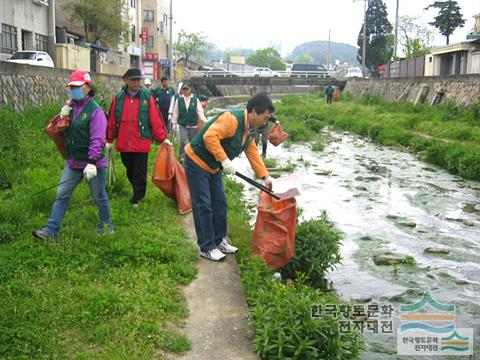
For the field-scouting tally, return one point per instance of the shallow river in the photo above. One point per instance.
(387, 202)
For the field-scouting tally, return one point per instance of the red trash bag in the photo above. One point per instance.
(169, 176)
(55, 133)
(277, 135)
(274, 233)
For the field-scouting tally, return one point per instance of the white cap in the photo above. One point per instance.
(148, 82)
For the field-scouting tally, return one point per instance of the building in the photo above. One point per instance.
(156, 38)
(27, 25)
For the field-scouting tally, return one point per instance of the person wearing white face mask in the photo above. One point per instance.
(84, 154)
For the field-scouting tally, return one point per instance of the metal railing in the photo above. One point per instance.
(277, 74)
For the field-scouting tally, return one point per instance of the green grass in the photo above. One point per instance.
(85, 296)
(281, 315)
(446, 135)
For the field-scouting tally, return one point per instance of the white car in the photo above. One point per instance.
(265, 72)
(353, 72)
(38, 58)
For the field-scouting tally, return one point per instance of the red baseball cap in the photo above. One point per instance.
(79, 77)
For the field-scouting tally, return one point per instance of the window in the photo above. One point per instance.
(133, 3)
(150, 41)
(8, 39)
(161, 29)
(41, 42)
(148, 15)
(133, 33)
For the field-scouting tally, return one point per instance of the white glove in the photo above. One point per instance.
(277, 122)
(268, 180)
(109, 146)
(90, 172)
(65, 110)
(166, 142)
(228, 167)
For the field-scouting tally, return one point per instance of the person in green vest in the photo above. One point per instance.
(133, 120)
(163, 95)
(84, 155)
(208, 155)
(329, 93)
(187, 113)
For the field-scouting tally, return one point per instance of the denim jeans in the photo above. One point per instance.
(186, 135)
(69, 181)
(209, 205)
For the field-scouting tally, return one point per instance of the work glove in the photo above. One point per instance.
(268, 181)
(65, 111)
(90, 172)
(109, 146)
(228, 167)
(166, 142)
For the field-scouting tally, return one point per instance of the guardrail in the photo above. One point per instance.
(228, 73)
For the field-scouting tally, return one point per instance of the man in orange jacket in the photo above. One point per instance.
(221, 140)
(134, 120)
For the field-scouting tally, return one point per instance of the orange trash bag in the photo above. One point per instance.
(168, 175)
(274, 233)
(55, 133)
(277, 135)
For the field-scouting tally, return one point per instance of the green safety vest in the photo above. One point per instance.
(187, 117)
(233, 145)
(77, 135)
(144, 127)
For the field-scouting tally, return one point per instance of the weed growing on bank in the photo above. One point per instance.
(84, 295)
(446, 135)
(281, 314)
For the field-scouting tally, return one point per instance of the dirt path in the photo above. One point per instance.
(218, 323)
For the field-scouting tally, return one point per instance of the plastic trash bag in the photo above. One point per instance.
(277, 135)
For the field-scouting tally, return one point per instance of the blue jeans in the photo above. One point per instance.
(69, 181)
(209, 205)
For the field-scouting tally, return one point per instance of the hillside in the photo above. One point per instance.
(318, 51)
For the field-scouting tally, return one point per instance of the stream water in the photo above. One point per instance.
(387, 202)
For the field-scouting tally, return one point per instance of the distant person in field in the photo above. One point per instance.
(329, 93)
(84, 154)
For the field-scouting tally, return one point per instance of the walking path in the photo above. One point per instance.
(218, 323)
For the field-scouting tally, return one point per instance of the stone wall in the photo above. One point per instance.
(462, 89)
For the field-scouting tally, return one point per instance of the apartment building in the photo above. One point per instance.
(26, 25)
(155, 36)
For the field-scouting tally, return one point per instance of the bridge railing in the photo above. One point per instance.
(282, 74)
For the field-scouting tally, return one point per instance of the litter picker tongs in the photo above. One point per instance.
(257, 185)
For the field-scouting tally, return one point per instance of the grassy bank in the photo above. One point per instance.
(446, 135)
(281, 314)
(85, 296)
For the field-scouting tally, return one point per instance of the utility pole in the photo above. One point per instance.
(395, 42)
(171, 41)
(51, 30)
(364, 47)
(328, 51)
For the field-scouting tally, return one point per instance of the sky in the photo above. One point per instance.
(257, 24)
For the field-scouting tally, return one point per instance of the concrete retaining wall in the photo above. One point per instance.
(462, 89)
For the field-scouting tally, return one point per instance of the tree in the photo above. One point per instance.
(304, 59)
(268, 57)
(414, 36)
(379, 38)
(448, 19)
(100, 20)
(190, 45)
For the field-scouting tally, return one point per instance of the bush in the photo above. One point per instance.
(318, 146)
(317, 250)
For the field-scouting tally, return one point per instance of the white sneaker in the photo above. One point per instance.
(226, 248)
(214, 255)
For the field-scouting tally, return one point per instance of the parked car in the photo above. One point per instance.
(353, 72)
(265, 72)
(308, 70)
(38, 58)
(219, 72)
